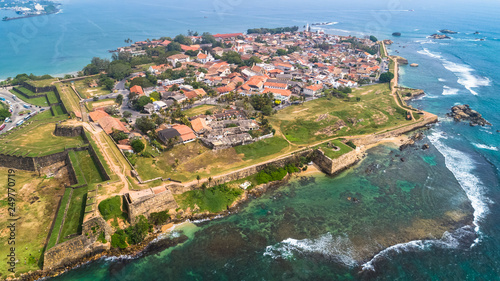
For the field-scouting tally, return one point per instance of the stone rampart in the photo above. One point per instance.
(149, 204)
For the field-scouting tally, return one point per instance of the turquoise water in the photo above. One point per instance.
(308, 230)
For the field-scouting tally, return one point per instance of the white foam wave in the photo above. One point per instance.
(464, 72)
(484, 146)
(427, 41)
(448, 240)
(441, 80)
(428, 53)
(447, 91)
(338, 248)
(465, 76)
(462, 167)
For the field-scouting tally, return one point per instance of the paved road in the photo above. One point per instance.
(16, 105)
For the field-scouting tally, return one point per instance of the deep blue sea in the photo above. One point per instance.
(307, 230)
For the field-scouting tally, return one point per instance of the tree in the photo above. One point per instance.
(119, 99)
(119, 69)
(137, 145)
(198, 178)
(118, 135)
(386, 77)
(155, 95)
(281, 52)
(4, 113)
(141, 81)
(174, 46)
(127, 114)
(141, 102)
(373, 38)
(209, 180)
(145, 124)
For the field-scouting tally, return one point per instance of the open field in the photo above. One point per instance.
(201, 109)
(214, 199)
(325, 118)
(36, 203)
(101, 103)
(74, 214)
(83, 88)
(262, 148)
(37, 140)
(40, 101)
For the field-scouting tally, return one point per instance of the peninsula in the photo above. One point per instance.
(27, 9)
(183, 128)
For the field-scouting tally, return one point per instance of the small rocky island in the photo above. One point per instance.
(440, 36)
(465, 113)
(447, 31)
(397, 34)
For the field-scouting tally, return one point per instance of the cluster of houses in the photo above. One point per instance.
(289, 64)
(318, 61)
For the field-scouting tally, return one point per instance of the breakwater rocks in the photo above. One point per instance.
(465, 113)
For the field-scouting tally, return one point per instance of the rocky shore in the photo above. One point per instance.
(465, 113)
(440, 36)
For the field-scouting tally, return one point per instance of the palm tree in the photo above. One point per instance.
(198, 178)
(209, 181)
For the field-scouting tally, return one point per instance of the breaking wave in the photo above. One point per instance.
(462, 167)
(337, 248)
(447, 91)
(458, 238)
(464, 72)
(484, 146)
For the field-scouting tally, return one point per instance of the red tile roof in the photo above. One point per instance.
(137, 89)
(185, 131)
(98, 114)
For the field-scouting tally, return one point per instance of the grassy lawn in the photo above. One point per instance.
(112, 208)
(382, 51)
(262, 148)
(51, 96)
(332, 153)
(58, 110)
(28, 92)
(36, 203)
(41, 101)
(324, 118)
(214, 199)
(88, 166)
(83, 88)
(201, 109)
(74, 214)
(38, 140)
(80, 178)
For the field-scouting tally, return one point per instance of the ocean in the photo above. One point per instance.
(308, 230)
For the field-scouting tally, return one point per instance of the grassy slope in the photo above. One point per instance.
(313, 121)
(262, 148)
(41, 101)
(212, 200)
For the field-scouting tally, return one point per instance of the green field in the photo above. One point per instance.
(74, 214)
(80, 178)
(68, 97)
(111, 208)
(88, 166)
(262, 148)
(58, 110)
(201, 109)
(51, 97)
(326, 118)
(38, 140)
(214, 199)
(40, 101)
(332, 153)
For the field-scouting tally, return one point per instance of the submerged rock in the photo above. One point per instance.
(447, 31)
(464, 112)
(440, 36)
(397, 34)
